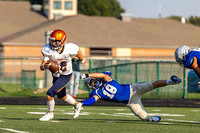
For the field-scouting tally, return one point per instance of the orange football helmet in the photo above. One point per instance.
(57, 39)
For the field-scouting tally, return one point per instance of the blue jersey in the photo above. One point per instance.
(113, 91)
(189, 57)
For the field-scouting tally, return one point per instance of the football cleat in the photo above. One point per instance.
(77, 109)
(175, 80)
(155, 119)
(47, 117)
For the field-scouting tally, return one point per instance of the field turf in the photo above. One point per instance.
(97, 119)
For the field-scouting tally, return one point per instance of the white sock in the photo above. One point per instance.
(170, 82)
(51, 105)
(70, 99)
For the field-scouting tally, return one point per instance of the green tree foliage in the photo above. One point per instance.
(100, 8)
(194, 20)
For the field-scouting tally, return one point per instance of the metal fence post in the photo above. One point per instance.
(35, 80)
(136, 72)
(158, 76)
(90, 66)
(90, 71)
(116, 72)
(48, 77)
(184, 83)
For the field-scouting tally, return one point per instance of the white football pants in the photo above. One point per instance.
(135, 104)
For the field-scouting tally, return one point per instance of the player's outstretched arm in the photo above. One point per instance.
(103, 76)
(91, 100)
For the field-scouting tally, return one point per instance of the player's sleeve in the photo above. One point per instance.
(189, 61)
(45, 54)
(91, 100)
(73, 49)
(107, 73)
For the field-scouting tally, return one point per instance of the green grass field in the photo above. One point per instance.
(24, 119)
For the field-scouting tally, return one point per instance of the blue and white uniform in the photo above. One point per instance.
(126, 93)
(113, 91)
(189, 57)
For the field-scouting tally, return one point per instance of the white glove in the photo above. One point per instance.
(84, 76)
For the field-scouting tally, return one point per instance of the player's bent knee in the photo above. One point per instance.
(51, 93)
(138, 111)
(49, 98)
(62, 97)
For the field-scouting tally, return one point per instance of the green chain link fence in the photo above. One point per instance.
(127, 72)
(16, 73)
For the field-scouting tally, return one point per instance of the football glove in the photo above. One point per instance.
(84, 76)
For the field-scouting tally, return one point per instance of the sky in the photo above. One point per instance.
(152, 8)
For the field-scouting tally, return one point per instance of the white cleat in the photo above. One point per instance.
(77, 109)
(47, 117)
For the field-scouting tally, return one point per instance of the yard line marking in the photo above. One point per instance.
(110, 122)
(182, 121)
(2, 107)
(156, 110)
(53, 121)
(160, 114)
(165, 123)
(12, 130)
(195, 110)
(81, 113)
(1, 121)
(37, 113)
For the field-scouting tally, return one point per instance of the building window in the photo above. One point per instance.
(57, 5)
(100, 52)
(68, 5)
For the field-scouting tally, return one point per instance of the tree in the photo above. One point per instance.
(100, 8)
(195, 20)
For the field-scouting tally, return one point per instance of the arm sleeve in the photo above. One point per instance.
(88, 102)
(107, 73)
(45, 57)
(73, 49)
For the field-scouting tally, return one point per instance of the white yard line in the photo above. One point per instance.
(162, 114)
(182, 121)
(37, 113)
(2, 107)
(12, 130)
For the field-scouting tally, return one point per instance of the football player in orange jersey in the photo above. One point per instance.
(61, 52)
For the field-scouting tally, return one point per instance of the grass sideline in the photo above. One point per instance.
(95, 119)
(14, 90)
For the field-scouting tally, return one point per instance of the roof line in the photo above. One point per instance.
(29, 29)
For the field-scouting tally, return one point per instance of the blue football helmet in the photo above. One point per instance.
(92, 83)
(180, 54)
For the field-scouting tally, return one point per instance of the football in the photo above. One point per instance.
(53, 67)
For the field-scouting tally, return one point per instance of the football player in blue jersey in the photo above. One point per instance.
(188, 58)
(105, 88)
